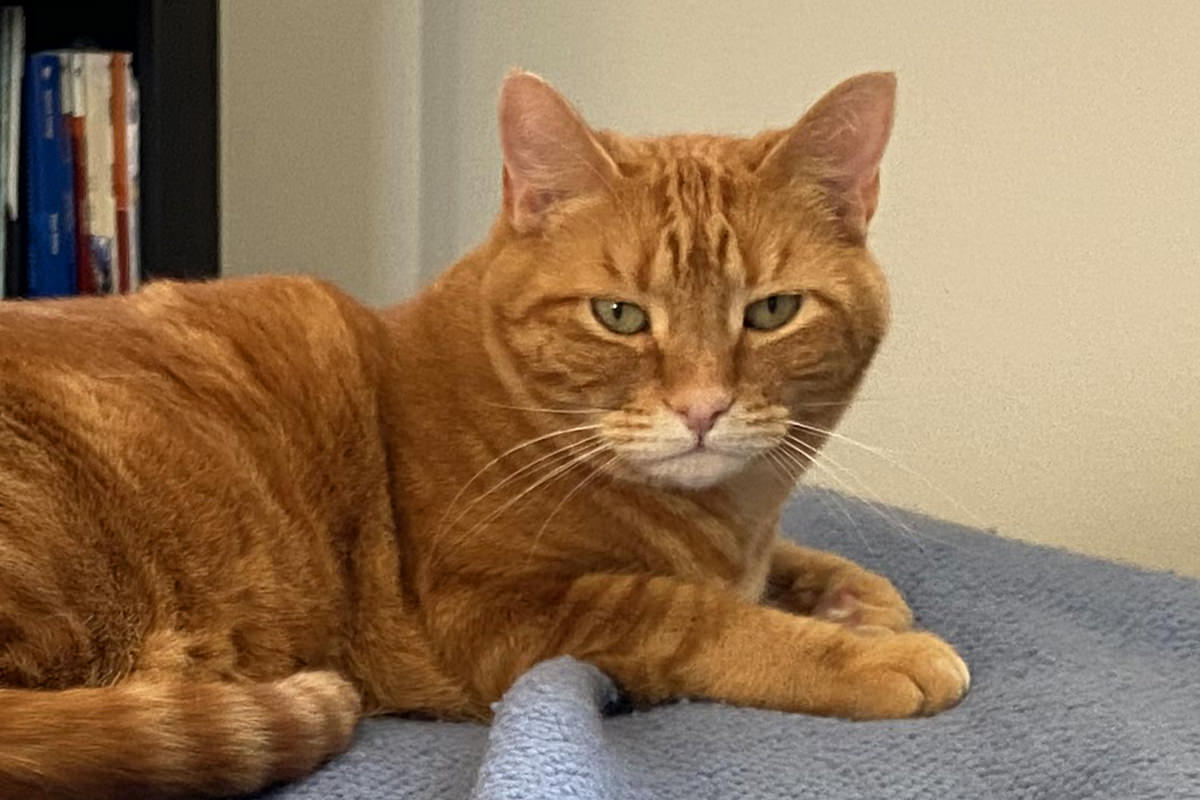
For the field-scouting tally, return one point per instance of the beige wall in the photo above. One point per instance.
(320, 140)
(1040, 217)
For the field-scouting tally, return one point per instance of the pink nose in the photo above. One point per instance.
(700, 408)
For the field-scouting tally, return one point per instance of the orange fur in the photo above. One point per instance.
(223, 505)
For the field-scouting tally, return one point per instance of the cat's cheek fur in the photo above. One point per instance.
(560, 361)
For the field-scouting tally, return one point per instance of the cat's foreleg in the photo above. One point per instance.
(661, 638)
(833, 588)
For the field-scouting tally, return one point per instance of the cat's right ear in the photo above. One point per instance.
(838, 144)
(550, 154)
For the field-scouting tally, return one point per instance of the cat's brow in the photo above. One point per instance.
(609, 265)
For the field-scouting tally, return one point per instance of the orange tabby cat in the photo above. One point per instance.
(236, 516)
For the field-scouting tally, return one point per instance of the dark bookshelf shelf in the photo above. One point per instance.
(174, 46)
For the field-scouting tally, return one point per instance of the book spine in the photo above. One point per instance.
(119, 67)
(50, 218)
(75, 110)
(133, 146)
(6, 22)
(101, 203)
(14, 265)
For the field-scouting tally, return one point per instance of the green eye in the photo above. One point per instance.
(771, 312)
(620, 317)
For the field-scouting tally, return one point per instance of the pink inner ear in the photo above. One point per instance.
(840, 142)
(869, 198)
(549, 153)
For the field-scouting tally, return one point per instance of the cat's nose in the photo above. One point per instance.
(700, 408)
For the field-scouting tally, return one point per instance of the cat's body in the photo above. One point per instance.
(232, 515)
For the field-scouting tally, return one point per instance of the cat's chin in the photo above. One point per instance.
(699, 469)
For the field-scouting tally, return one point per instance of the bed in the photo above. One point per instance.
(1086, 684)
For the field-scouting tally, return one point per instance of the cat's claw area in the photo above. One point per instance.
(864, 601)
(842, 606)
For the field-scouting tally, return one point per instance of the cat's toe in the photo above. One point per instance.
(909, 674)
(862, 598)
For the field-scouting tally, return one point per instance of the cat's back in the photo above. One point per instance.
(216, 367)
(208, 367)
(218, 349)
(170, 320)
(164, 451)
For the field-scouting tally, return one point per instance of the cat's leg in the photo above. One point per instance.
(830, 587)
(660, 638)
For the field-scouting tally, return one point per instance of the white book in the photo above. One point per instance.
(16, 71)
(101, 203)
(133, 126)
(67, 81)
(12, 52)
(6, 21)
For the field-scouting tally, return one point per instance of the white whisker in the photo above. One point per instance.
(585, 442)
(586, 479)
(834, 435)
(892, 460)
(877, 505)
(889, 518)
(781, 471)
(541, 410)
(810, 460)
(505, 454)
(824, 404)
(575, 461)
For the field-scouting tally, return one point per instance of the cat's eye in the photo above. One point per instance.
(771, 312)
(619, 317)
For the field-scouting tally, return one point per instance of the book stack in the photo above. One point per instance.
(68, 164)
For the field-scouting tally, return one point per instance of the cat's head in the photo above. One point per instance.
(706, 302)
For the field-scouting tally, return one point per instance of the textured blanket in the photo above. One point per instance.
(1085, 684)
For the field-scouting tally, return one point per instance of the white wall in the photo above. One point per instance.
(320, 141)
(1039, 216)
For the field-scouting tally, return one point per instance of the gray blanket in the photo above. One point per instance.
(1086, 684)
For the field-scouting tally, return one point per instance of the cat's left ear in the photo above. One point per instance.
(550, 155)
(839, 144)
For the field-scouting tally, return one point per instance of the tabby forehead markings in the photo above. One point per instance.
(692, 199)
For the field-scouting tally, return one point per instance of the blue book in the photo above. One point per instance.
(50, 181)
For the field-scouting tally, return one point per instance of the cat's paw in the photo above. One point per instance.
(905, 675)
(856, 598)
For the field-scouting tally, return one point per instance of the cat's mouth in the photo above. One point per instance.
(698, 467)
(667, 455)
(696, 447)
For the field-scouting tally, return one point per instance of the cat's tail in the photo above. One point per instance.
(163, 739)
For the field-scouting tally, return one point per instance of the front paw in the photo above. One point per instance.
(905, 675)
(857, 598)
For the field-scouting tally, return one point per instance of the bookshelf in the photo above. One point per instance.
(174, 47)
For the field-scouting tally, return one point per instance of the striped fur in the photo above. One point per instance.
(162, 738)
(234, 516)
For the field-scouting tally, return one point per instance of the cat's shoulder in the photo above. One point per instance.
(288, 301)
(264, 292)
(164, 316)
